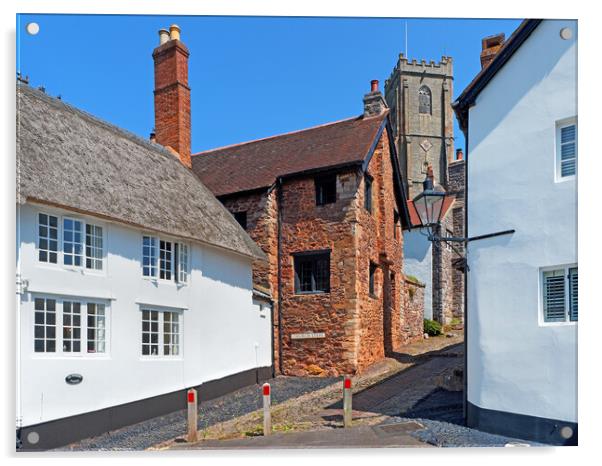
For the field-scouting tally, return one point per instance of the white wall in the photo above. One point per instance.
(223, 330)
(515, 363)
(418, 261)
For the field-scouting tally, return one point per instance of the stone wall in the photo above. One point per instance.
(413, 327)
(358, 327)
(457, 187)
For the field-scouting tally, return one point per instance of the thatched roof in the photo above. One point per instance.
(68, 158)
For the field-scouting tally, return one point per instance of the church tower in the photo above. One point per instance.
(419, 95)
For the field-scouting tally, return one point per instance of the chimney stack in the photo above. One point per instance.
(490, 47)
(374, 103)
(459, 154)
(172, 94)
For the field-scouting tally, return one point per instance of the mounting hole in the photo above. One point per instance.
(566, 432)
(566, 33)
(32, 28)
(33, 438)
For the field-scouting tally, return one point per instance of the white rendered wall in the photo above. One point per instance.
(418, 261)
(223, 331)
(516, 363)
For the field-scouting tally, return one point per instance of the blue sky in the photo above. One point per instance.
(251, 77)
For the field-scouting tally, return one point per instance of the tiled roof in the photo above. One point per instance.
(257, 164)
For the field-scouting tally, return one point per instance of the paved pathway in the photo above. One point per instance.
(357, 437)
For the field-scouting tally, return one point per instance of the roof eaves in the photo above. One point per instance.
(471, 92)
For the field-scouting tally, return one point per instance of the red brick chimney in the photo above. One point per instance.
(172, 94)
(374, 103)
(459, 154)
(490, 47)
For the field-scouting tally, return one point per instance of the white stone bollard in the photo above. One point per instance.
(192, 415)
(347, 409)
(267, 417)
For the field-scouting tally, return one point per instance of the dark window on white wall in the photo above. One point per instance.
(566, 147)
(368, 193)
(560, 295)
(312, 272)
(241, 218)
(424, 100)
(48, 231)
(326, 189)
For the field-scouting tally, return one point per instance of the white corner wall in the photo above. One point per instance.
(418, 261)
(516, 363)
(224, 331)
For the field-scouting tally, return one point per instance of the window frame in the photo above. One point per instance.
(59, 352)
(310, 256)
(60, 252)
(566, 268)
(368, 193)
(319, 182)
(161, 311)
(430, 100)
(59, 240)
(175, 268)
(565, 123)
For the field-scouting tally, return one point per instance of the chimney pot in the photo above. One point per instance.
(459, 154)
(163, 36)
(153, 136)
(374, 85)
(174, 32)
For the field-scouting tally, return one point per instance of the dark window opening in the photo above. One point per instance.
(424, 100)
(326, 190)
(395, 223)
(241, 218)
(368, 193)
(312, 272)
(373, 268)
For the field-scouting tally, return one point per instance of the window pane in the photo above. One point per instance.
(149, 257)
(554, 296)
(47, 235)
(567, 134)
(326, 189)
(170, 334)
(96, 328)
(71, 326)
(312, 273)
(165, 259)
(72, 242)
(45, 325)
(150, 332)
(182, 263)
(94, 251)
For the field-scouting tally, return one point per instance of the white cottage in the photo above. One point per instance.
(133, 282)
(520, 119)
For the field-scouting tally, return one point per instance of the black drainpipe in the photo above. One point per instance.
(465, 394)
(279, 217)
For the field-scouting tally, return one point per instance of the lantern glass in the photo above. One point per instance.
(428, 205)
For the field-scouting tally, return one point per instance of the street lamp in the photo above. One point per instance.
(429, 203)
(431, 206)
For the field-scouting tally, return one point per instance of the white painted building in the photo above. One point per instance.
(520, 119)
(133, 282)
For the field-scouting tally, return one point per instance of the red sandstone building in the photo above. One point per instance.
(327, 205)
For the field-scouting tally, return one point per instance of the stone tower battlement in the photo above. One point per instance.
(444, 67)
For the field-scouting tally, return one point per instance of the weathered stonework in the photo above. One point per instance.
(427, 138)
(359, 328)
(414, 296)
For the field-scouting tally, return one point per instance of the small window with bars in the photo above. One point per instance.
(312, 272)
(72, 327)
(96, 328)
(566, 146)
(48, 233)
(560, 295)
(368, 193)
(165, 259)
(326, 189)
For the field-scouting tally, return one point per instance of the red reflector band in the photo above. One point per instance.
(190, 397)
(266, 389)
(347, 383)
